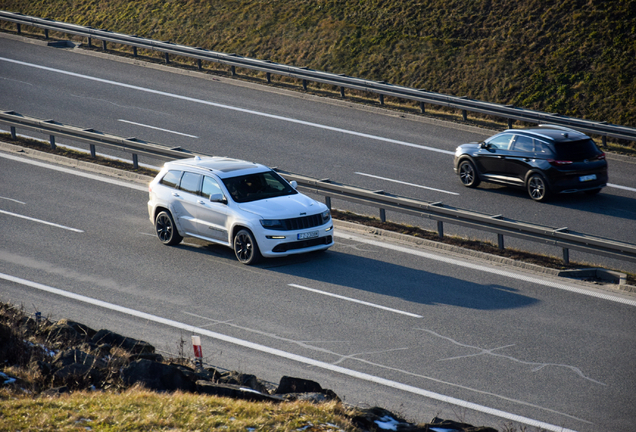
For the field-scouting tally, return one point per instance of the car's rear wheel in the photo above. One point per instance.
(468, 174)
(538, 188)
(166, 229)
(245, 247)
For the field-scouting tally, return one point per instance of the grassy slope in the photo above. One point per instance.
(573, 57)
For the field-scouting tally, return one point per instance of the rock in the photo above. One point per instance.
(75, 356)
(157, 376)
(241, 379)
(129, 344)
(297, 385)
(235, 392)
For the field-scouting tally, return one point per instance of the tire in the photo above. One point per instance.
(246, 248)
(166, 230)
(537, 188)
(593, 191)
(468, 174)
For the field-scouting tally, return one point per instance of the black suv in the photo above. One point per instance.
(544, 160)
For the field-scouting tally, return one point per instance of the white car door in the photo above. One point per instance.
(185, 201)
(212, 215)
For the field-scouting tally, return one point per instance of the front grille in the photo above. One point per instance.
(301, 223)
(284, 247)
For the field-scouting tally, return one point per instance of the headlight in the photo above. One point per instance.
(272, 223)
(326, 215)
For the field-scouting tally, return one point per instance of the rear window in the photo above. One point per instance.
(576, 150)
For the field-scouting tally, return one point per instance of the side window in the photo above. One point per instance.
(501, 142)
(191, 182)
(210, 187)
(171, 179)
(541, 147)
(523, 144)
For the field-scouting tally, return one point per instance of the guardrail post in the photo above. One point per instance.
(509, 123)
(134, 51)
(440, 229)
(135, 161)
(422, 109)
(199, 64)
(305, 85)
(93, 151)
(232, 70)
(342, 89)
(104, 47)
(566, 255)
(604, 140)
(268, 76)
(46, 33)
(167, 57)
(464, 115)
(381, 99)
(90, 42)
(383, 215)
(500, 241)
(52, 141)
(19, 28)
(328, 202)
(13, 134)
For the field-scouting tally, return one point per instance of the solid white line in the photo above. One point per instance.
(218, 105)
(355, 300)
(289, 356)
(406, 183)
(11, 199)
(488, 269)
(41, 221)
(75, 172)
(158, 128)
(621, 187)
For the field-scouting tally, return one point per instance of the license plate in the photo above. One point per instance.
(307, 235)
(587, 177)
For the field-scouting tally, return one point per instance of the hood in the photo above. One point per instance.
(285, 207)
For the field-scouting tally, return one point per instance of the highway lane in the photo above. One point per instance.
(482, 334)
(367, 147)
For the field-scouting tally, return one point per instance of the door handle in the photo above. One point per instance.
(201, 202)
(175, 194)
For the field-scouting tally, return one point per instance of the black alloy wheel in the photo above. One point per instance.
(468, 174)
(537, 188)
(166, 230)
(245, 248)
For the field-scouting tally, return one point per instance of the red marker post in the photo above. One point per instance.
(198, 352)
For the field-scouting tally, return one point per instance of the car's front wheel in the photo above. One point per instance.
(538, 188)
(468, 174)
(245, 247)
(166, 229)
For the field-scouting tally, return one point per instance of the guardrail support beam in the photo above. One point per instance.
(510, 123)
(604, 140)
(500, 241)
(89, 42)
(135, 161)
(342, 94)
(422, 108)
(199, 64)
(566, 255)
(134, 51)
(233, 70)
(383, 215)
(104, 46)
(305, 85)
(268, 76)
(167, 57)
(328, 202)
(93, 153)
(13, 134)
(19, 28)
(52, 141)
(440, 229)
(381, 99)
(464, 115)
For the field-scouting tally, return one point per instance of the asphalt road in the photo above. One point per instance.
(367, 147)
(413, 330)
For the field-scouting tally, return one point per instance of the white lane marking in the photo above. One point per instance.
(406, 183)
(40, 221)
(289, 356)
(621, 187)
(76, 172)
(218, 105)
(355, 300)
(157, 128)
(11, 199)
(487, 269)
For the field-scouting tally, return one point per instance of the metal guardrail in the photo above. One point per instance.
(559, 237)
(464, 104)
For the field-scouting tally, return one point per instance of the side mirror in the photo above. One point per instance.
(294, 184)
(483, 145)
(217, 197)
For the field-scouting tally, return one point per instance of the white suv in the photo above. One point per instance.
(243, 205)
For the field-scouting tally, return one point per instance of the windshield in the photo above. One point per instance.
(258, 186)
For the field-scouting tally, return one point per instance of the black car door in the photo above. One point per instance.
(491, 157)
(521, 158)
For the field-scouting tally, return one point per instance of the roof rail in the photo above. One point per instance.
(559, 127)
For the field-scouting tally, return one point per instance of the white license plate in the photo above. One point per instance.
(587, 177)
(308, 235)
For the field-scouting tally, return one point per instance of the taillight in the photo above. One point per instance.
(600, 157)
(559, 162)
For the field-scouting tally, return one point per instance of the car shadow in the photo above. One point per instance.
(603, 203)
(379, 277)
